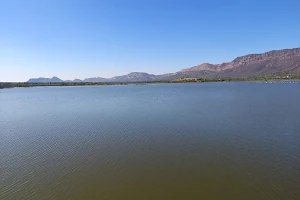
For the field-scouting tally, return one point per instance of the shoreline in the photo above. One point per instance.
(7, 85)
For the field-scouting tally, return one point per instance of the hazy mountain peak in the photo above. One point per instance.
(45, 80)
(95, 79)
(204, 67)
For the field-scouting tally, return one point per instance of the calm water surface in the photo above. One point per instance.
(167, 141)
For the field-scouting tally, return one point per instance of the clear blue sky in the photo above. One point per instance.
(87, 38)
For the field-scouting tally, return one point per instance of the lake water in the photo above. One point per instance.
(161, 141)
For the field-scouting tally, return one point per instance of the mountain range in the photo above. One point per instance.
(274, 63)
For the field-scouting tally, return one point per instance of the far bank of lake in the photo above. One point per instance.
(182, 80)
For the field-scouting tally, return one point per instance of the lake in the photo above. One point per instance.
(159, 141)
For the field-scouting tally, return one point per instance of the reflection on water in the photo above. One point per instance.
(168, 141)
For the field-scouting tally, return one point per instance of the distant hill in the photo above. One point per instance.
(95, 79)
(133, 77)
(54, 79)
(73, 81)
(276, 63)
(202, 67)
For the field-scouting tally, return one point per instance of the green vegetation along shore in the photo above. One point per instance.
(182, 80)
